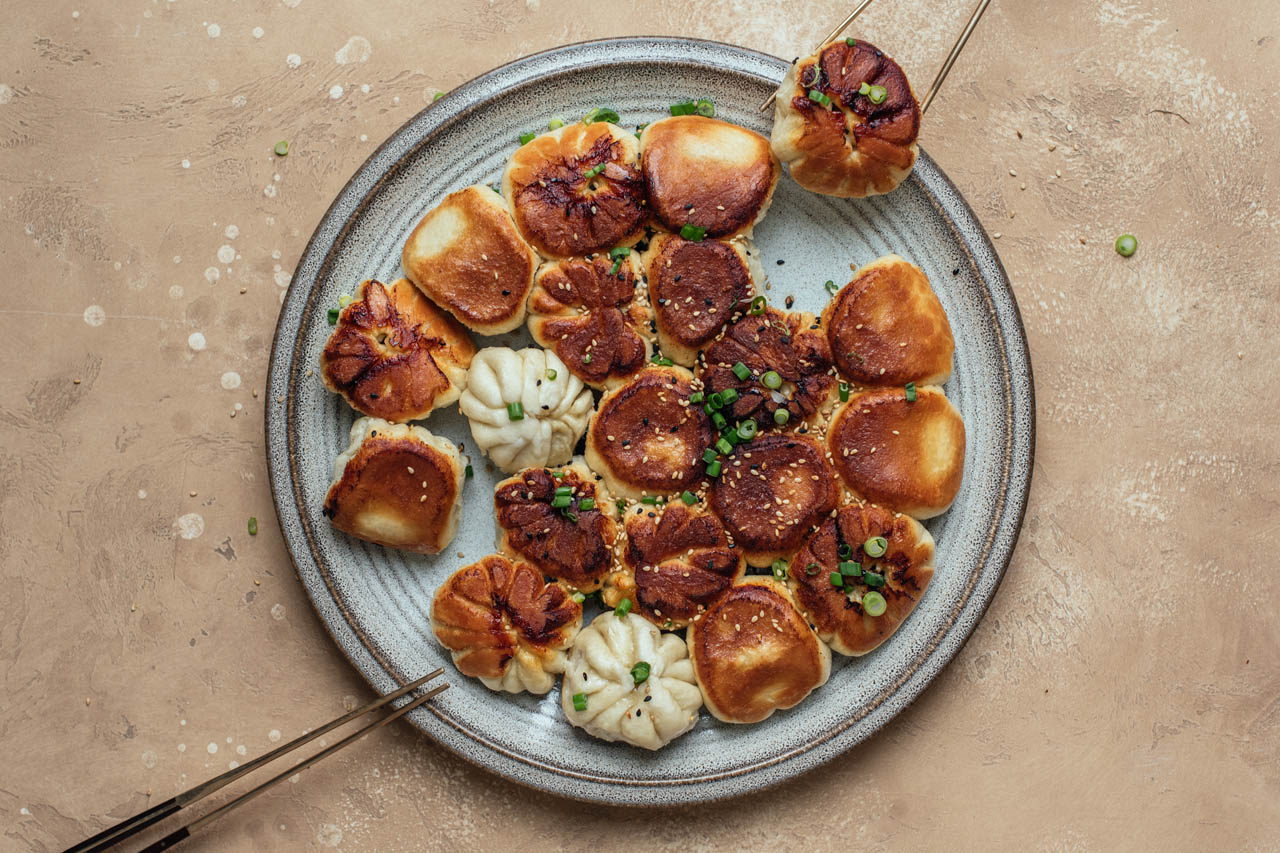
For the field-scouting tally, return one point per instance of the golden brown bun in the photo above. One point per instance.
(559, 209)
(697, 287)
(708, 173)
(907, 567)
(906, 456)
(889, 303)
(468, 258)
(677, 561)
(645, 438)
(854, 147)
(771, 492)
(505, 625)
(753, 653)
(396, 356)
(791, 344)
(596, 322)
(397, 485)
(577, 550)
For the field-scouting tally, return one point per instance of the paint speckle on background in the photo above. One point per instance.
(6, 93)
(357, 49)
(231, 380)
(212, 274)
(189, 526)
(277, 612)
(175, 291)
(231, 232)
(95, 316)
(258, 32)
(214, 30)
(196, 341)
(149, 759)
(335, 91)
(226, 254)
(293, 60)
(273, 735)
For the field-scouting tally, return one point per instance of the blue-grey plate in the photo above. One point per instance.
(374, 600)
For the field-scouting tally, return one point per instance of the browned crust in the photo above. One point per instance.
(646, 437)
(882, 135)
(916, 470)
(392, 354)
(688, 188)
(789, 343)
(771, 492)
(486, 610)
(677, 561)
(887, 327)
(560, 210)
(753, 653)
(591, 319)
(695, 288)
(390, 477)
(578, 551)
(836, 612)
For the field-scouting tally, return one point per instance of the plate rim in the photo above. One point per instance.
(286, 356)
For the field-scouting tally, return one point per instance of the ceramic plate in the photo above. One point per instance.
(374, 600)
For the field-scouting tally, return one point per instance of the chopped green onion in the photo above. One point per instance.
(872, 578)
(594, 170)
(621, 505)
(640, 672)
(850, 569)
(781, 416)
(728, 395)
(718, 421)
(878, 94)
(1126, 245)
(779, 568)
(724, 446)
(344, 300)
(515, 411)
(713, 470)
(579, 701)
(578, 598)
(253, 526)
(601, 114)
(526, 138)
(564, 490)
(811, 569)
(282, 148)
(771, 379)
(471, 472)
(438, 96)
(586, 358)
(587, 504)
(757, 306)
(619, 252)
(333, 316)
(684, 108)
(844, 392)
(819, 98)
(874, 604)
(731, 436)
(623, 608)
(717, 400)
(831, 287)
(865, 88)
(705, 107)
(747, 429)
(875, 546)
(551, 374)
(709, 455)
(697, 397)
(850, 42)
(741, 371)
(837, 579)
(693, 233)
(559, 475)
(569, 515)
(640, 128)
(845, 551)
(689, 497)
(555, 124)
(651, 500)
(911, 392)
(561, 501)
(662, 361)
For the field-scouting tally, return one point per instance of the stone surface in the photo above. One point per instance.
(1122, 691)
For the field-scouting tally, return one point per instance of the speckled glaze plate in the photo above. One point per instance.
(375, 600)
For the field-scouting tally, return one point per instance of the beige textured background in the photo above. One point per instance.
(1123, 690)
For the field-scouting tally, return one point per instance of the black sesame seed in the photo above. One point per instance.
(781, 262)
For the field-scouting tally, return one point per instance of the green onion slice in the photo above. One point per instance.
(747, 429)
(779, 568)
(741, 371)
(865, 88)
(878, 94)
(253, 526)
(579, 701)
(704, 107)
(640, 672)
(729, 395)
(781, 416)
(850, 569)
(551, 374)
(757, 306)
(564, 490)
(587, 504)
(333, 316)
(709, 455)
(872, 578)
(623, 608)
(771, 379)
(697, 397)
(693, 233)
(601, 114)
(911, 392)
(561, 501)
(282, 148)
(515, 411)
(684, 108)
(526, 138)
(713, 470)
(844, 392)
(471, 472)
(594, 170)
(832, 287)
(619, 252)
(819, 98)
(874, 604)
(875, 546)
(662, 361)
(845, 551)
(689, 498)
(724, 446)
(837, 579)
(717, 400)
(1126, 245)
(850, 42)
(718, 421)
(586, 358)
(555, 124)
